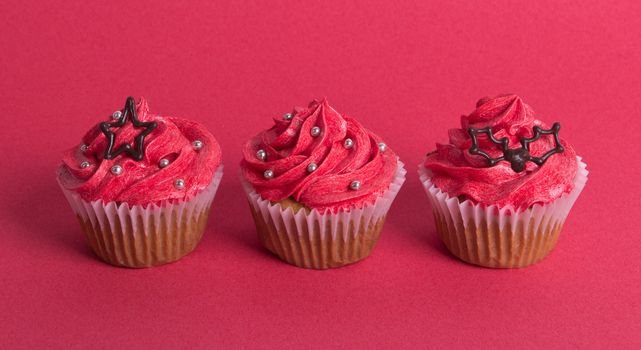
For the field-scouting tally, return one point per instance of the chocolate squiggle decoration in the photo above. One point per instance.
(129, 112)
(517, 157)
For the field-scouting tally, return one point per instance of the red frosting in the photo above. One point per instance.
(291, 148)
(459, 173)
(143, 182)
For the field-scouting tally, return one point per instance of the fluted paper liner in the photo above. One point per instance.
(141, 237)
(311, 239)
(500, 237)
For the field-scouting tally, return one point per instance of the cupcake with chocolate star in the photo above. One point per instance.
(319, 186)
(141, 185)
(503, 186)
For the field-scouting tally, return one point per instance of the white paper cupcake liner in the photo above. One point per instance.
(500, 237)
(137, 236)
(309, 238)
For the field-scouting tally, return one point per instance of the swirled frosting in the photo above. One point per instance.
(143, 182)
(290, 148)
(458, 173)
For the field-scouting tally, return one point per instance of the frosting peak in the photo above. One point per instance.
(459, 173)
(507, 112)
(315, 156)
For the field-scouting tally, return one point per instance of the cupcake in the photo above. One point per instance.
(319, 186)
(141, 185)
(502, 187)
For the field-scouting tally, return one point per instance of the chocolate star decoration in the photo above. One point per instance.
(517, 157)
(129, 113)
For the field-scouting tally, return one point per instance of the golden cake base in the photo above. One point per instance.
(129, 245)
(489, 246)
(307, 248)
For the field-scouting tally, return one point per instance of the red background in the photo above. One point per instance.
(408, 72)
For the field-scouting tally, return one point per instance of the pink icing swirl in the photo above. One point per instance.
(459, 173)
(143, 182)
(291, 148)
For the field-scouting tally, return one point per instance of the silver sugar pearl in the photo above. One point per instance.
(179, 184)
(163, 163)
(315, 131)
(116, 170)
(197, 145)
(116, 115)
(355, 185)
(312, 167)
(349, 143)
(268, 174)
(83, 147)
(261, 154)
(84, 165)
(287, 116)
(382, 146)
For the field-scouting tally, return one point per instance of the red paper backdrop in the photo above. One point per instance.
(405, 70)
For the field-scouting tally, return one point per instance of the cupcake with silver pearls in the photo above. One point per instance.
(319, 186)
(141, 185)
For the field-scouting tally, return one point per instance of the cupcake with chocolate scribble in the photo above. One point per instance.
(319, 186)
(503, 186)
(141, 185)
